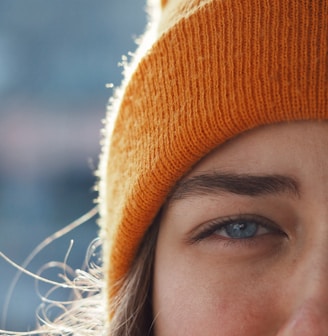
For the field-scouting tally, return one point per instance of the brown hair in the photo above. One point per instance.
(132, 306)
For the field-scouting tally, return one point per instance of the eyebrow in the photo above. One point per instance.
(239, 184)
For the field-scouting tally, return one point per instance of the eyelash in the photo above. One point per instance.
(221, 224)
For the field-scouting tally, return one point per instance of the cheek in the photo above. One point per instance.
(194, 297)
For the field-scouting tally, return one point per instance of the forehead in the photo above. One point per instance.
(267, 148)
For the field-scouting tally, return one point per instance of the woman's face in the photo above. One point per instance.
(243, 241)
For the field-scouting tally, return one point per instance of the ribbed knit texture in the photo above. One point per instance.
(218, 68)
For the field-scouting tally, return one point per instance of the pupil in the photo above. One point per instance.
(241, 230)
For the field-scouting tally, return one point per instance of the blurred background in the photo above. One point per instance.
(56, 57)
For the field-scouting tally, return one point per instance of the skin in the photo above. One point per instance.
(274, 281)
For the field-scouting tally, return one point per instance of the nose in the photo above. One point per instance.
(310, 319)
(306, 304)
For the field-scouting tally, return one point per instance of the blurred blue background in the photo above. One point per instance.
(56, 56)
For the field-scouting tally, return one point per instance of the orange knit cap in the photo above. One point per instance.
(214, 69)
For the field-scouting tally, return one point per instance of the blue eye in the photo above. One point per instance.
(237, 228)
(241, 229)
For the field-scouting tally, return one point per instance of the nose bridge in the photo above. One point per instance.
(307, 313)
(311, 271)
(306, 302)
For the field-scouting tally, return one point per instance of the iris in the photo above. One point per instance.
(241, 230)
